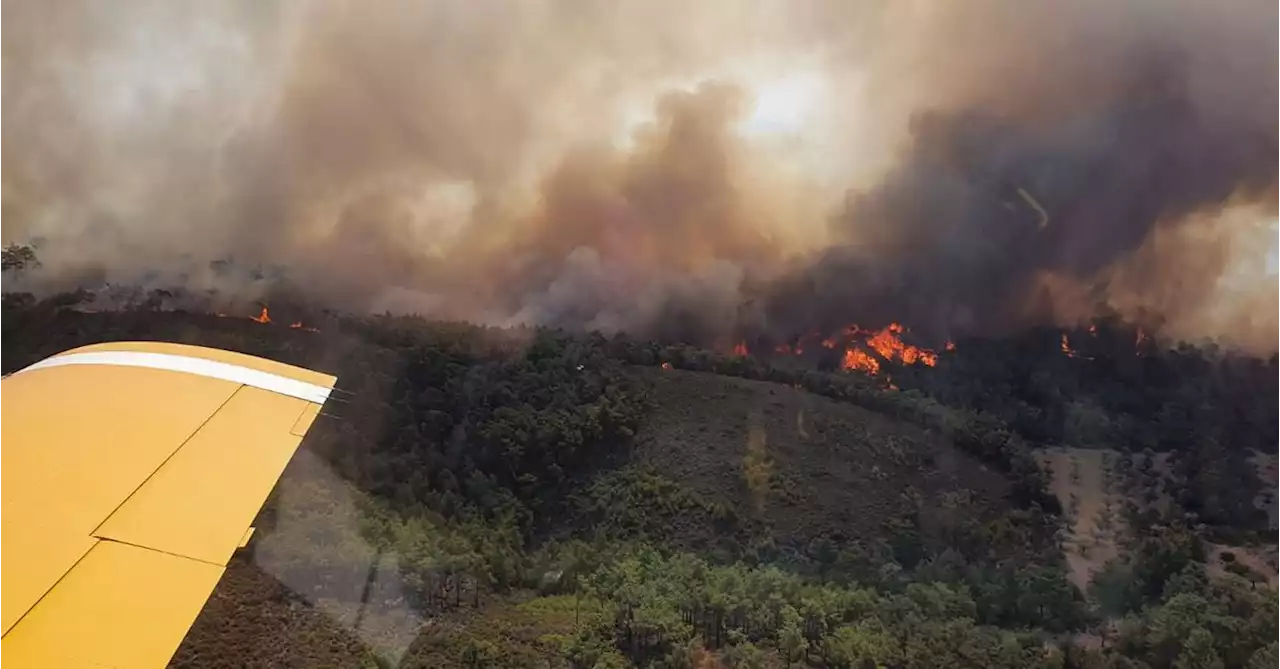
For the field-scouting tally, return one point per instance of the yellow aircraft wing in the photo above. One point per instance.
(131, 473)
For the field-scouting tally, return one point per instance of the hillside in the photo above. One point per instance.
(825, 468)
(532, 498)
(253, 620)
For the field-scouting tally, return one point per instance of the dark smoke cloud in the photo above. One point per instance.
(1118, 123)
(960, 231)
(961, 168)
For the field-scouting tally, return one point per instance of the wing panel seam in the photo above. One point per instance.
(48, 590)
(98, 527)
(157, 550)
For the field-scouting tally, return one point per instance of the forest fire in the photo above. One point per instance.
(503, 240)
(264, 317)
(864, 350)
(1070, 352)
(888, 345)
(861, 350)
(858, 359)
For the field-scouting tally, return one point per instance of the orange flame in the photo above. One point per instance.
(299, 326)
(1066, 346)
(666, 365)
(740, 348)
(886, 344)
(856, 358)
(263, 317)
(890, 346)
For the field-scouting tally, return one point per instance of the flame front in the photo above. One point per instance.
(263, 317)
(864, 350)
(887, 344)
(1066, 346)
(856, 358)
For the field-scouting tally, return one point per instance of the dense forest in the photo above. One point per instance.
(553, 499)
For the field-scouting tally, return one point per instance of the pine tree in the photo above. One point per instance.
(790, 635)
(1197, 652)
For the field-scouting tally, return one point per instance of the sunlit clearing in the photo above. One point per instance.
(783, 106)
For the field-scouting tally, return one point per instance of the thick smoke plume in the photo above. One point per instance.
(691, 170)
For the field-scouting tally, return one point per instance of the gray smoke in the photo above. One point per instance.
(693, 170)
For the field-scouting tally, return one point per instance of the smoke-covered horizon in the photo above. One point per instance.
(696, 170)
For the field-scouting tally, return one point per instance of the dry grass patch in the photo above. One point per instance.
(1086, 482)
